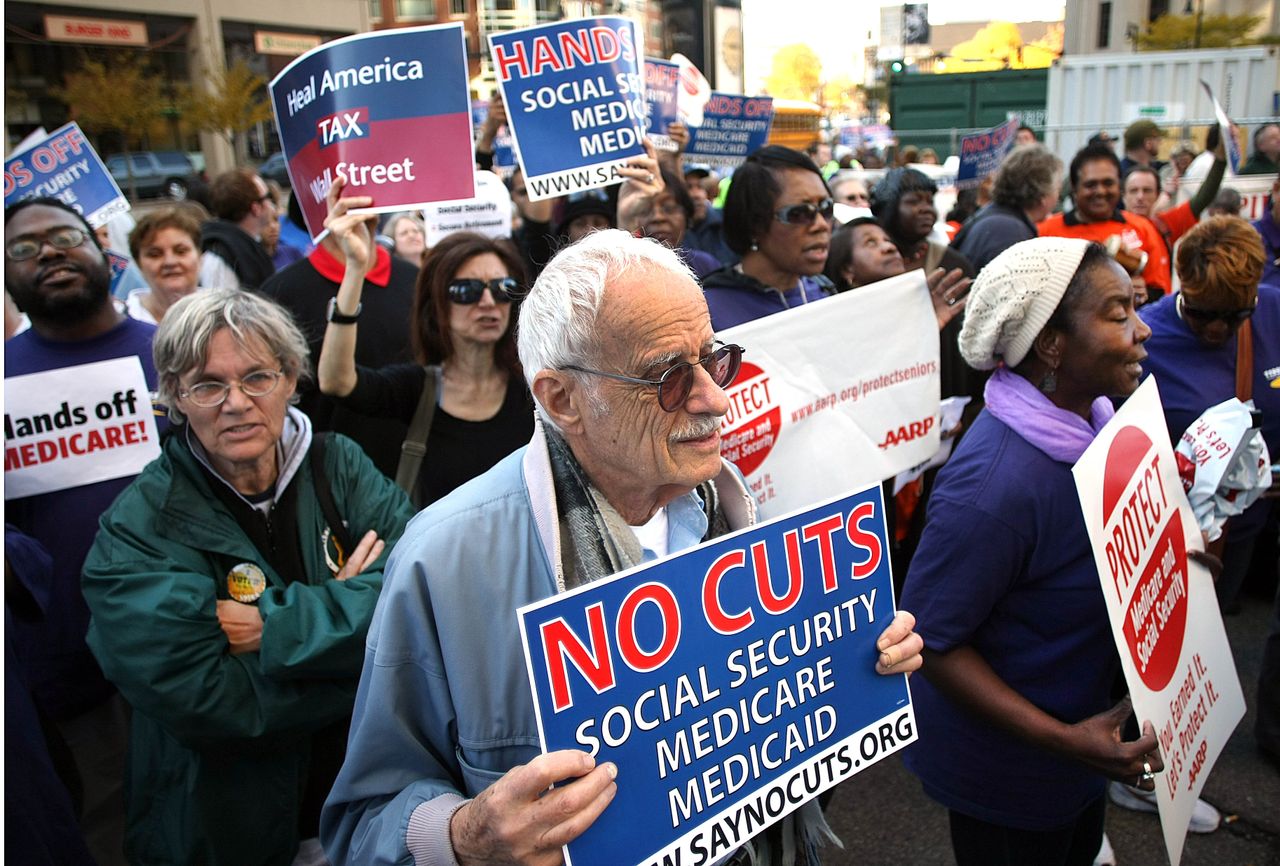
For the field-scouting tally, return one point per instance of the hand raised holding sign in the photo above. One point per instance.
(642, 185)
(353, 232)
(518, 820)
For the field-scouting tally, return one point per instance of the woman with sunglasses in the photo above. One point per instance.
(778, 218)
(1196, 339)
(463, 331)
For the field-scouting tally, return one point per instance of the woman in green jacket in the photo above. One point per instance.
(231, 587)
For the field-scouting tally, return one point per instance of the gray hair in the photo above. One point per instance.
(181, 343)
(557, 325)
(1027, 175)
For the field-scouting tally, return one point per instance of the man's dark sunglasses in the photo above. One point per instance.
(806, 213)
(722, 364)
(1205, 317)
(469, 291)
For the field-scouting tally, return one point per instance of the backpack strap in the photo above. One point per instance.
(323, 492)
(414, 447)
(1244, 362)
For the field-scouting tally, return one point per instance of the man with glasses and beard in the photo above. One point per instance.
(624, 467)
(59, 276)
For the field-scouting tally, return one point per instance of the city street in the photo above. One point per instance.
(884, 819)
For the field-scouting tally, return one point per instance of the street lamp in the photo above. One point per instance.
(1198, 11)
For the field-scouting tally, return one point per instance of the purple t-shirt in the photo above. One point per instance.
(65, 677)
(1005, 567)
(1193, 376)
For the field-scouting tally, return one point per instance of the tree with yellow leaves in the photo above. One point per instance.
(999, 45)
(796, 73)
(1172, 32)
(234, 102)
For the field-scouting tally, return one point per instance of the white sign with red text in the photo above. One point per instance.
(1164, 614)
(834, 395)
(77, 425)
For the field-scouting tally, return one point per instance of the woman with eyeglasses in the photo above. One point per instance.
(231, 587)
(778, 217)
(1197, 339)
(477, 408)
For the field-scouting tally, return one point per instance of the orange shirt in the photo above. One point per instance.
(1177, 221)
(1137, 232)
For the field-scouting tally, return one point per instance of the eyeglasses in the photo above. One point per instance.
(28, 247)
(469, 291)
(1205, 317)
(207, 395)
(722, 364)
(804, 214)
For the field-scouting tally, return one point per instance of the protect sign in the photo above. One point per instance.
(575, 101)
(834, 395)
(730, 684)
(982, 152)
(661, 86)
(732, 127)
(66, 167)
(77, 425)
(1164, 614)
(390, 111)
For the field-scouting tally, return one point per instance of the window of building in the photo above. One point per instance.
(375, 10)
(415, 9)
(1158, 8)
(1104, 24)
(457, 7)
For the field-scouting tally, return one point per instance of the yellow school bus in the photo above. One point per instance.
(796, 124)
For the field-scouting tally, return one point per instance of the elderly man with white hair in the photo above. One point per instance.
(443, 764)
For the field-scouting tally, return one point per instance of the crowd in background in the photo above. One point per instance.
(156, 704)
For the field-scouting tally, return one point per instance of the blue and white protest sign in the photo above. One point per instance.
(390, 111)
(982, 152)
(730, 684)
(732, 127)
(504, 151)
(66, 167)
(575, 101)
(661, 86)
(1225, 127)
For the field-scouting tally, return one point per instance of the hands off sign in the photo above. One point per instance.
(730, 684)
(64, 166)
(77, 425)
(732, 127)
(390, 111)
(575, 101)
(1164, 614)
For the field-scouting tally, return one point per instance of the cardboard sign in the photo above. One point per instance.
(730, 683)
(1164, 614)
(834, 395)
(1232, 144)
(489, 213)
(1254, 191)
(77, 425)
(575, 101)
(66, 167)
(982, 152)
(732, 127)
(390, 111)
(661, 88)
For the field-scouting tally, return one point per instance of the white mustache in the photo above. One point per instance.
(697, 428)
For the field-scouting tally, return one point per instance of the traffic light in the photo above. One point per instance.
(896, 66)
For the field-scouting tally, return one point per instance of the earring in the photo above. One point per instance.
(1049, 383)
(755, 247)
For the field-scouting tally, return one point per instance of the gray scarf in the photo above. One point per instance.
(595, 542)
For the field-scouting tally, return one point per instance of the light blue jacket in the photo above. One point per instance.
(444, 707)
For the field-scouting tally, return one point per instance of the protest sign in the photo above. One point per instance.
(693, 92)
(732, 126)
(64, 166)
(504, 152)
(1254, 191)
(661, 86)
(730, 683)
(390, 111)
(575, 101)
(1164, 614)
(982, 152)
(489, 213)
(1229, 140)
(834, 395)
(77, 425)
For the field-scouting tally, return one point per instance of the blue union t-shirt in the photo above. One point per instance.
(1005, 567)
(64, 675)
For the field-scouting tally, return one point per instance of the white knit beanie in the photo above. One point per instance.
(1014, 297)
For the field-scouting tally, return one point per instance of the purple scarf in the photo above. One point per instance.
(1061, 434)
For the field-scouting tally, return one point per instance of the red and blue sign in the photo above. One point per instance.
(732, 127)
(661, 84)
(982, 152)
(66, 167)
(730, 684)
(390, 111)
(574, 94)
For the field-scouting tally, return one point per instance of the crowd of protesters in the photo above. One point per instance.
(197, 657)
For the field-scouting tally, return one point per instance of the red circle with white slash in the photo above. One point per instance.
(1155, 622)
(749, 431)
